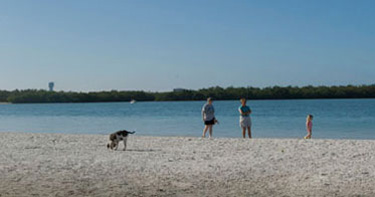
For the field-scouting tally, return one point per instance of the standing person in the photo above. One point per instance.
(208, 115)
(309, 126)
(245, 120)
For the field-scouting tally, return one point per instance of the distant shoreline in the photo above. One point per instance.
(217, 93)
(8, 103)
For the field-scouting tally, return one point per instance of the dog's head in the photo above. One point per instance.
(111, 145)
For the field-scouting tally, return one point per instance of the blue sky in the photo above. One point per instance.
(159, 45)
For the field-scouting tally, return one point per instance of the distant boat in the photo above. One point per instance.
(132, 101)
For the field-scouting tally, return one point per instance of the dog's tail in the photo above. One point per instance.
(131, 132)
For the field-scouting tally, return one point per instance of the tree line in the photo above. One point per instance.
(218, 93)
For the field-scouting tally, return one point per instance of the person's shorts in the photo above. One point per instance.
(210, 122)
(245, 121)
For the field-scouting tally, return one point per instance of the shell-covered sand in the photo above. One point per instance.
(81, 165)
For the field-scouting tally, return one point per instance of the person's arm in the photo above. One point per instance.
(203, 111)
(241, 112)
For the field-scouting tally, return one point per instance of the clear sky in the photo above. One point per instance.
(158, 45)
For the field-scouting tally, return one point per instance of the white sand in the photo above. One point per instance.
(81, 165)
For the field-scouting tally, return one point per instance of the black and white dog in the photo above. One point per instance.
(116, 138)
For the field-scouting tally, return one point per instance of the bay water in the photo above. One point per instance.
(333, 119)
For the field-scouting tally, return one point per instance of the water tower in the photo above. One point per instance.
(51, 85)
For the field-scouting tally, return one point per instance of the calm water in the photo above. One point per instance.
(349, 119)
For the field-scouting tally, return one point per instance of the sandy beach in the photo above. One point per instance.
(81, 165)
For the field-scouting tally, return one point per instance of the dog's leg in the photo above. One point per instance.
(116, 145)
(125, 139)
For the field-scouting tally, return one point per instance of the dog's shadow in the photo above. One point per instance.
(143, 150)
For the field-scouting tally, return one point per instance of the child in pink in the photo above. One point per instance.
(309, 126)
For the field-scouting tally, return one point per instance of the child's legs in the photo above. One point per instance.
(243, 132)
(308, 136)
